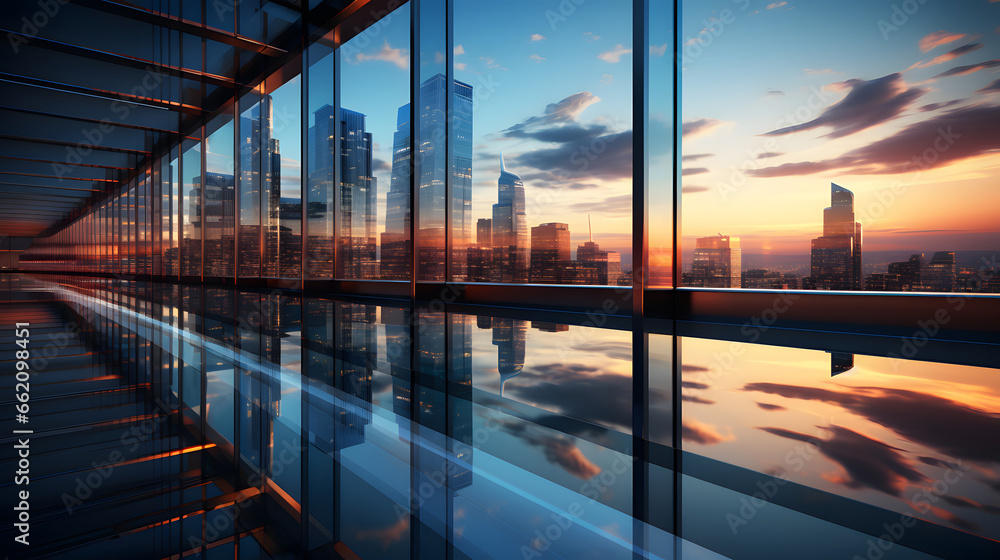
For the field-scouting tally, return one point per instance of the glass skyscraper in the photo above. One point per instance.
(433, 166)
(510, 228)
(836, 255)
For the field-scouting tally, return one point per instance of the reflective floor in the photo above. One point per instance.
(186, 421)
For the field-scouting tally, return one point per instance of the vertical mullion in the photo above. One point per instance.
(416, 7)
(640, 229)
(676, 369)
(336, 162)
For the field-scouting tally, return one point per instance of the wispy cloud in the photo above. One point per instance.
(870, 102)
(817, 72)
(537, 37)
(968, 69)
(399, 57)
(615, 55)
(776, 5)
(590, 36)
(537, 58)
(937, 39)
(893, 155)
(701, 127)
(950, 55)
(658, 50)
(459, 49)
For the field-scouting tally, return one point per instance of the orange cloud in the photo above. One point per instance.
(937, 39)
(705, 434)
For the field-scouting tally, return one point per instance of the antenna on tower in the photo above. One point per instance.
(501, 163)
(591, 228)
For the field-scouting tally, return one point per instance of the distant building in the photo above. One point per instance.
(939, 275)
(905, 274)
(550, 251)
(717, 263)
(510, 228)
(761, 278)
(484, 232)
(836, 255)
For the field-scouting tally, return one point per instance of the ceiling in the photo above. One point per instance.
(90, 89)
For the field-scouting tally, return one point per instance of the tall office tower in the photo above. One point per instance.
(594, 265)
(904, 275)
(433, 167)
(271, 211)
(395, 242)
(836, 256)
(510, 228)
(484, 232)
(718, 262)
(219, 192)
(358, 196)
(510, 337)
(549, 252)
(256, 167)
(939, 274)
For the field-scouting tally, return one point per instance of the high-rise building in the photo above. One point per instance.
(395, 243)
(939, 274)
(431, 184)
(549, 252)
(358, 196)
(594, 266)
(484, 232)
(510, 228)
(904, 275)
(718, 262)
(836, 255)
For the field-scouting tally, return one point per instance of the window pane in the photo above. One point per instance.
(431, 162)
(321, 150)
(551, 110)
(282, 188)
(660, 145)
(191, 217)
(252, 162)
(220, 190)
(861, 166)
(374, 152)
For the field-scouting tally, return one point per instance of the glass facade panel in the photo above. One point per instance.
(828, 173)
(191, 205)
(219, 186)
(549, 185)
(281, 190)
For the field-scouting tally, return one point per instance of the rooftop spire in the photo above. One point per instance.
(591, 228)
(501, 163)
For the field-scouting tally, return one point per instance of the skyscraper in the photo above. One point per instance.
(549, 252)
(718, 262)
(396, 239)
(510, 228)
(433, 167)
(939, 274)
(594, 265)
(484, 232)
(836, 255)
(358, 196)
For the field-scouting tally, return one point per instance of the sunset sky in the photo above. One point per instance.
(774, 110)
(853, 102)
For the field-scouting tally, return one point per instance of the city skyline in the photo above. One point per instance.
(902, 127)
